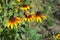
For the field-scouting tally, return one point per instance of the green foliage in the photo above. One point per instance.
(26, 32)
(28, 2)
(33, 35)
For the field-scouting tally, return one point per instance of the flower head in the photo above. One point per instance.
(38, 16)
(25, 7)
(12, 22)
(28, 18)
(58, 36)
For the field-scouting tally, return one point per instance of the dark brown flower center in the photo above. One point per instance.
(24, 5)
(12, 18)
(38, 13)
(29, 16)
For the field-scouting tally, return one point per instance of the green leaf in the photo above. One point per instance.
(23, 29)
(0, 18)
(33, 35)
(49, 22)
(28, 2)
(17, 35)
(1, 29)
(10, 12)
(10, 5)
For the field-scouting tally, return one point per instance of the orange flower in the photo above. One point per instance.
(58, 36)
(12, 22)
(28, 18)
(25, 7)
(38, 16)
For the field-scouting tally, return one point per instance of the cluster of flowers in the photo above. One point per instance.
(28, 18)
(13, 21)
(36, 17)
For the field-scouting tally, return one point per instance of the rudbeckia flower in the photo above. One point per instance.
(58, 36)
(38, 16)
(25, 7)
(12, 22)
(28, 18)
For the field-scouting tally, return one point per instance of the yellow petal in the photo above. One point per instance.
(28, 7)
(31, 19)
(11, 26)
(58, 36)
(25, 19)
(28, 20)
(40, 20)
(18, 22)
(37, 20)
(15, 25)
(8, 25)
(44, 17)
(22, 8)
(18, 1)
(25, 8)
